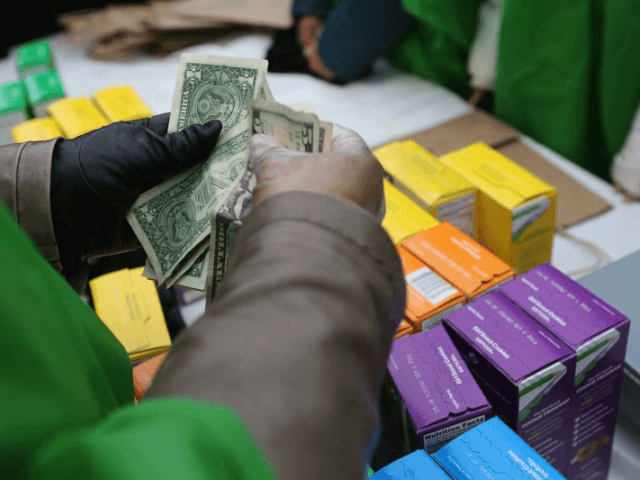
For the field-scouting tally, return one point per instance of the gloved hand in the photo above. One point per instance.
(350, 171)
(95, 178)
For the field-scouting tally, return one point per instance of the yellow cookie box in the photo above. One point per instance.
(121, 103)
(516, 209)
(403, 218)
(439, 190)
(35, 130)
(129, 305)
(76, 116)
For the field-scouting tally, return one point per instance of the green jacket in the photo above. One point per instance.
(67, 392)
(567, 74)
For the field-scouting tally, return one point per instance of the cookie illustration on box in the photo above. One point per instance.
(585, 453)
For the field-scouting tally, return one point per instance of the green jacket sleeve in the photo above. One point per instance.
(157, 439)
(567, 75)
(67, 392)
(61, 367)
(438, 46)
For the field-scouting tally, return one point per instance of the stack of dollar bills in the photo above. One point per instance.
(188, 224)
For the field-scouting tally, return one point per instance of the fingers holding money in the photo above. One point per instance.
(348, 141)
(350, 172)
(264, 147)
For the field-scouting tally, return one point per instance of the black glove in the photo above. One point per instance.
(95, 178)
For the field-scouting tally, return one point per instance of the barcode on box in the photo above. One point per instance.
(430, 285)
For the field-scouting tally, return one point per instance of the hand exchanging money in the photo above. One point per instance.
(350, 171)
(96, 177)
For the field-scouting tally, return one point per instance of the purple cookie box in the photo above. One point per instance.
(441, 397)
(505, 347)
(582, 320)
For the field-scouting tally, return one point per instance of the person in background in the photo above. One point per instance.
(279, 380)
(341, 40)
(561, 73)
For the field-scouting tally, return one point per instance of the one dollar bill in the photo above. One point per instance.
(174, 218)
(210, 87)
(299, 131)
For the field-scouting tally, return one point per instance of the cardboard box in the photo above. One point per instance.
(34, 57)
(13, 109)
(516, 209)
(403, 217)
(129, 305)
(476, 126)
(525, 371)
(121, 103)
(439, 397)
(460, 260)
(405, 328)
(144, 373)
(493, 451)
(76, 116)
(438, 189)
(42, 90)
(576, 203)
(429, 296)
(598, 334)
(35, 130)
(417, 466)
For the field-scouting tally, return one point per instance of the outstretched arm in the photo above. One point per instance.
(297, 339)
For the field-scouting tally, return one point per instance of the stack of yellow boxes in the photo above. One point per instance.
(403, 218)
(121, 103)
(35, 130)
(480, 195)
(72, 117)
(439, 190)
(129, 305)
(516, 209)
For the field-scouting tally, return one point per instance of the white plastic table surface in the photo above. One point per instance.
(386, 105)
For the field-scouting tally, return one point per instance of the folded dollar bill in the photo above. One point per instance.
(174, 218)
(188, 224)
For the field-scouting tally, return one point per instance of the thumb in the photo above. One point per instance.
(188, 147)
(264, 148)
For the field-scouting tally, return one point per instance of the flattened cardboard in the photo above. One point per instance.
(477, 126)
(576, 203)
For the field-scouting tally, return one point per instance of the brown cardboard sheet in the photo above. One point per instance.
(576, 202)
(477, 126)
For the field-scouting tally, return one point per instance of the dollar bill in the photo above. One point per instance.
(190, 270)
(194, 277)
(295, 130)
(325, 137)
(210, 87)
(172, 219)
(273, 119)
(225, 227)
(265, 91)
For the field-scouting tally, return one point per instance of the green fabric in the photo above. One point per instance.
(158, 439)
(568, 75)
(437, 48)
(67, 392)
